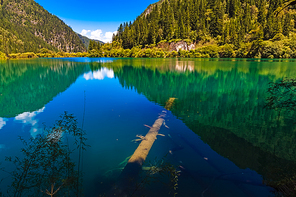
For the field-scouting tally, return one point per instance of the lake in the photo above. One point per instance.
(218, 138)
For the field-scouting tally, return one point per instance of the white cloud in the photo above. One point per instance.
(2, 122)
(28, 118)
(100, 74)
(109, 35)
(98, 35)
(84, 32)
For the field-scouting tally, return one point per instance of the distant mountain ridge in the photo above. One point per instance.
(27, 26)
(86, 40)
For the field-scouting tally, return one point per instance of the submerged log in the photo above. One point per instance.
(129, 176)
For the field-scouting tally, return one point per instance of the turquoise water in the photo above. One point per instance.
(218, 135)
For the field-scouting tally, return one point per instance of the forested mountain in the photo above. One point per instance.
(86, 40)
(235, 22)
(27, 26)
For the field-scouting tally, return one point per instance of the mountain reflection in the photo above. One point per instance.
(26, 86)
(222, 102)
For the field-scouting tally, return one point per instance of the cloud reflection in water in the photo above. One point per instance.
(100, 74)
(28, 118)
(2, 122)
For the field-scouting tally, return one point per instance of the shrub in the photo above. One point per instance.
(188, 41)
(274, 49)
(183, 53)
(205, 56)
(134, 51)
(227, 51)
(160, 54)
(244, 50)
(175, 40)
(270, 57)
(278, 37)
(93, 55)
(127, 53)
(197, 55)
(293, 55)
(14, 55)
(23, 55)
(286, 56)
(173, 54)
(147, 53)
(3, 56)
(211, 50)
(162, 41)
(79, 54)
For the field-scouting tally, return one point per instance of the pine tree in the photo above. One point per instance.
(91, 45)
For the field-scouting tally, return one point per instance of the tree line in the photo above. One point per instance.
(227, 21)
(251, 28)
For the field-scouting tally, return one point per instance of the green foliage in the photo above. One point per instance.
(211, 51)
(278, 47)
(22, 55)
(94, 45)
(227, 51)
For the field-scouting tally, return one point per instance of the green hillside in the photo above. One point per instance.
(27, 26)
(238, 24)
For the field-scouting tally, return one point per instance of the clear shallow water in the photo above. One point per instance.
(220, 136)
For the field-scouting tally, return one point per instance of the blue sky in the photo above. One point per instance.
(96, 19)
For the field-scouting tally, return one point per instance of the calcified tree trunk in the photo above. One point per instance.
(129, 175)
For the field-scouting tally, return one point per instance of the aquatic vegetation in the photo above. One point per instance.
(120, 167)
(46, 167)
(158, 169)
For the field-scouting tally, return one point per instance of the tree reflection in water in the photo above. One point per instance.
(46, 167)
(282, 98)
(224, 105)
